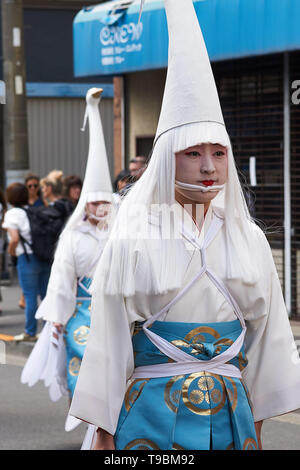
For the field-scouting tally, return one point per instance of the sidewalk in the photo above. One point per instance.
(12, 322)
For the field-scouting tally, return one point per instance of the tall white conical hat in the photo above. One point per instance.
(97, 182)
(190, 93)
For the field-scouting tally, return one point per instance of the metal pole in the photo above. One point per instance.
(287, 186)
(15, 138)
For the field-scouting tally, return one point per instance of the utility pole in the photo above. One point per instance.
(16, 159)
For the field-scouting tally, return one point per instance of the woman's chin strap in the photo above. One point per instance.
(203, 189)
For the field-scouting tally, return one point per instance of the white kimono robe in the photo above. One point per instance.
(77, 256)
(273, 371)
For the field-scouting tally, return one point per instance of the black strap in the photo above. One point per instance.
(23, 243)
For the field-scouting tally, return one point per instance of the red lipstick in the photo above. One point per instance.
(207, 182)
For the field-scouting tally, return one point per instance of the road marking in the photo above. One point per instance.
(6, 338)
(291, 418)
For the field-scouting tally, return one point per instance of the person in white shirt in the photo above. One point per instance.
(33, 273)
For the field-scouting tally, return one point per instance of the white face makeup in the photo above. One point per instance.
(201, 172)
(98, 212)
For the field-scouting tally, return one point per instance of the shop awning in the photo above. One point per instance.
(108, 40)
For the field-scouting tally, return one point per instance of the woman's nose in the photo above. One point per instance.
(207, 164)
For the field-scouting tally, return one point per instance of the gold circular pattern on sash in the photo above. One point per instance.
(216, 396)
(133, 392)
(80, 335)
(141, 444)
(172, 397)
(250, 444)
(206, 384)
(196, 397)
(196, 335)
(74, 366)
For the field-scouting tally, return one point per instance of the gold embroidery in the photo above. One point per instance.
(222, 342)
(206, 384)
(74, 366)
(194, 348)
(232, 394)
(141, 444)
(230, 447)
(172, 397)
(249, 444)
(196, 397)
(216, 396)
(132, 393)
(195, 335)
(81, 335)
(243, 361)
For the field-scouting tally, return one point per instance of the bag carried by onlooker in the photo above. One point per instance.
(46, 224)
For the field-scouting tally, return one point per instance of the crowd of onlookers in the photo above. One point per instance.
(19, 204)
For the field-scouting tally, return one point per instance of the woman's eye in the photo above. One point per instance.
(193, 154)
(219, 153)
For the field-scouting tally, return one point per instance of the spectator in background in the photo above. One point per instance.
(52, 189)
(33, 274)
(122, 180)
(52, 186)
(33, 185)
(72, 188)
(137, 166)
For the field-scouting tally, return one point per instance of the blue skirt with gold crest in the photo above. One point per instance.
(198, 411)
(76, 334)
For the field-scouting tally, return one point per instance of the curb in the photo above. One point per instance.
(21, 349)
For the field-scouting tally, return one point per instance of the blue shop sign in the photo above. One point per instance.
(109, 41)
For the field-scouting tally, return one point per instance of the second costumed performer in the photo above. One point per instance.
(57, 355)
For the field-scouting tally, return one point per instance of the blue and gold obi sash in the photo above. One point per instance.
(77, 331)
(197, 411)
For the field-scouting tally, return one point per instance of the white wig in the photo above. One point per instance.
(159, 262)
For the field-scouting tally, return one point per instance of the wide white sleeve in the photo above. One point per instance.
(272, 375)
(107, 364)
(59, 304)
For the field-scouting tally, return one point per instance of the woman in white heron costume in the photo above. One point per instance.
(194, 349)
(66, 307)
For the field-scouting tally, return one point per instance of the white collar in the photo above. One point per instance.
(86, 227)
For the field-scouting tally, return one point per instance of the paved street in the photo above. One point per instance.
(29, 420)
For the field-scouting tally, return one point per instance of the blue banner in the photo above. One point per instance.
(108, 40)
